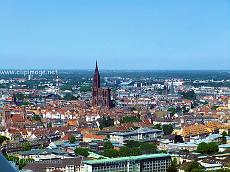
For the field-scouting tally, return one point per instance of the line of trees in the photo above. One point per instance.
(131, 148)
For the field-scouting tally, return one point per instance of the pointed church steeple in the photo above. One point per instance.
(96, 77)
(96, 68)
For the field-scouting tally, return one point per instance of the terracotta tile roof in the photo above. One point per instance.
(194, 130)
(66, 137)
(17, 118)
(72, 122)
(94, 136)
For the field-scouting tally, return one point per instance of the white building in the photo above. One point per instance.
(141, 134)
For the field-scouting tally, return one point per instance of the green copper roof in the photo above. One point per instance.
(128, 158)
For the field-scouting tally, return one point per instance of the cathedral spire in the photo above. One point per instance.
(96, 66)
(96, 77)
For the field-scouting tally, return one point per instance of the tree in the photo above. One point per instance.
(214, 107)
(124, 151)
(36, 117)
(20, 162)
(148, 148)
(69, 97)
(184, 150)
(3, 138)
(110, 153)
(167, 129)
(224, 133)
(157, 126)
(207, 148)
(66, 87)
(173, 167)
(132, 143)
(72, 139)
(190, 95)
(224, 140)
(192, 166)
(198, 170)
(178, 139)
(26, 146)
(108, 145)
(85, 88)
(172, 110)
(26, 103)
(82, 151)
(223, 170)
(135, 151)
(213, 147)
(49, 125)
(202, 147)
(130, 119)
(20, 96)
(174, 162)
(106, 122)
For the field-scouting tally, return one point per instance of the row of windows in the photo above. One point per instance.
(147, 166)
(109, 167)
(160, 163)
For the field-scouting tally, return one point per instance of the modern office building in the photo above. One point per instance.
(141, 163)
(141, 134)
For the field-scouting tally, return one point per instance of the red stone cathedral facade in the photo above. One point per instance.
(100, 96)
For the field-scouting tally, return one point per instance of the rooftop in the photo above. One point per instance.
(138, 131)
(128, 158)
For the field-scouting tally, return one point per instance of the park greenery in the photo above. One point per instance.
(36, 117)
(108, 145)
(105, 122)
(82, 151)
(130, 119)
(20, 162)
(167, 129)
(190, 95)
(173, 167)
(192, 166)
(69, 97)
(3, 138)
(66, 87)
(131, 148)
(85, 88)
(207, 148)
(172, 110)
(26, 146)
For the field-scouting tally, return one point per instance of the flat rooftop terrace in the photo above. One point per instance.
(128, 158)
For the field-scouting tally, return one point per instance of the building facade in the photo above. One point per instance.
(141, 163)
(100, 96)
(141, 134)
(67, 165)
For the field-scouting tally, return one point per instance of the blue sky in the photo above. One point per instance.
(121, 34)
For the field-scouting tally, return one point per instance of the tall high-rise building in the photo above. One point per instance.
(100, 96)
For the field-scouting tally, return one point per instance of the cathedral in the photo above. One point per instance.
(101, 96)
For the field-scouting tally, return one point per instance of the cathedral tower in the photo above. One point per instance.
(100, 96)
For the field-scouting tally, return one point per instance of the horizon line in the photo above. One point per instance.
(103, 69)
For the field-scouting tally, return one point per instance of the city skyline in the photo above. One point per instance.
(131, 35)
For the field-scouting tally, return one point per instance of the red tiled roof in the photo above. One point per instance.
(17, 118)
